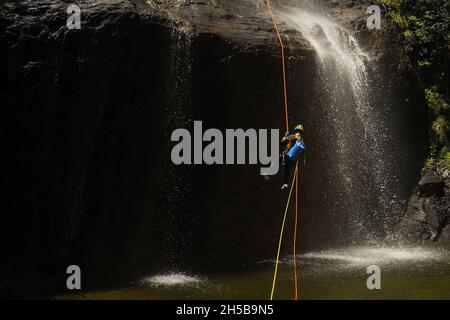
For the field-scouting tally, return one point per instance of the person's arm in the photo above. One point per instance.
(286, 137)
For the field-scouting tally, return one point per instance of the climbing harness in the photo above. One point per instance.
(296, 175)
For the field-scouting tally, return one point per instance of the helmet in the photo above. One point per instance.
(298, 128)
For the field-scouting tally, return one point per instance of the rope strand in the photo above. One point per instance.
(295, 233)
(295, 178)
(281, 236)
(269, 8)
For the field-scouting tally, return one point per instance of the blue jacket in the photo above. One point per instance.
(296, 150)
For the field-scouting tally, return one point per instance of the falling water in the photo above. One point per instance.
(336, 273)
(177, 110)
(360, 148)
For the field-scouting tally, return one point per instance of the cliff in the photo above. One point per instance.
(428, 214)
(86, 120)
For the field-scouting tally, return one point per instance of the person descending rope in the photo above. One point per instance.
(294, 149)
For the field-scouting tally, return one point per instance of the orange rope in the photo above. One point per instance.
(296, 175)
(269, 8)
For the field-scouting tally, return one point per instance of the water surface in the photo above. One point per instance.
(406, 273)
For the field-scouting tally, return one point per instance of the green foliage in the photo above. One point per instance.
(436, 101)
(428, 23)
(400, 20)
(446, 152)
(439, 130)
(426, 30)
(437, 154)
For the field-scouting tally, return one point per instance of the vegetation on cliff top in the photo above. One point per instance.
(426, 31)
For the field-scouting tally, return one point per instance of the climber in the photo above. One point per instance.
(294, 149)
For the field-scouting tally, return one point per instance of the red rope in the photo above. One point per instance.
(269, 8)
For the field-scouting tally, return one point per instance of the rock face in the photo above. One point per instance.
(245, 22)
(428, 214)
(87, 116)
(86, 120)
(65, 93)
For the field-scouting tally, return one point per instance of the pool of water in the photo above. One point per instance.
(406, 273)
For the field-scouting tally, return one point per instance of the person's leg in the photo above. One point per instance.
(287, 170)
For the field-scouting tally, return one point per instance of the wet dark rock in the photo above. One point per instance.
(244, 22)
(86, 120)
(428, 214)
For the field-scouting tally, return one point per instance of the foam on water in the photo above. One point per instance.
(355, 258)
(171, 280)
(383, 255)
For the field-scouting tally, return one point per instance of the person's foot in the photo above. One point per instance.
(284, 186)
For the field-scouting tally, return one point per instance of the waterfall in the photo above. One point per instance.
(360, 134)
(178, 114)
